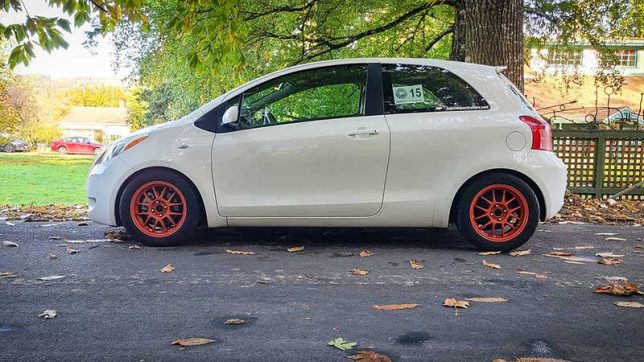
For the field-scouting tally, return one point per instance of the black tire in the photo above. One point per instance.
(9, 148)
(62, 150)
(97, 151)
(467, 214)
(191, 208)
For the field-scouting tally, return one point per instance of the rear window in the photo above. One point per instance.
(422, 88)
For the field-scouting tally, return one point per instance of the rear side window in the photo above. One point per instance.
(423, 88)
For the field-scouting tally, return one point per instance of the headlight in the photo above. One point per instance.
(119, 147)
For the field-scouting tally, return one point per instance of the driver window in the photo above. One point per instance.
(324, 93)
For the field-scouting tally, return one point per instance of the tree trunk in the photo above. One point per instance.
(490, 32)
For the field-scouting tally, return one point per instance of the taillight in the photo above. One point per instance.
(541, 134)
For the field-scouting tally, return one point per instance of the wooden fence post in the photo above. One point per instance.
(600, 157)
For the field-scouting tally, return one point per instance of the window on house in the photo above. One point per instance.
(626, 57)
(564, 57)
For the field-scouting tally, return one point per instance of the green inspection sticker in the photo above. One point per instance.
(408, 94)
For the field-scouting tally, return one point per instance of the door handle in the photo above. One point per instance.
(365, 132)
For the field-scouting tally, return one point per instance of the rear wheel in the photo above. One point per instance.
(159, 208)
(498, 212)
(62, 150)
(9, 148)
(97, 152)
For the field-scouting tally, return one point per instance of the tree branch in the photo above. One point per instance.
(438, 37)
(99, 6)
(280, 9)
(343, 41)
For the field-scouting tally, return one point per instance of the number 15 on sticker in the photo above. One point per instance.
(408, 94)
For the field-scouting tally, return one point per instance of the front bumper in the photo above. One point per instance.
(103, 184)
(550, 174)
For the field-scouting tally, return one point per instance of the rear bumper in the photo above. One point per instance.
(103, 184)
(550, 174)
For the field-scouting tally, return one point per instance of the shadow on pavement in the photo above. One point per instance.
(333, 237)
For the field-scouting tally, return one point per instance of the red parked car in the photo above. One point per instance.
(76, 145)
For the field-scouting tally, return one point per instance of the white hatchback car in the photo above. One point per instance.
(359, 142)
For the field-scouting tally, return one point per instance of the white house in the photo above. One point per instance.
(583, 59)
(104, 124)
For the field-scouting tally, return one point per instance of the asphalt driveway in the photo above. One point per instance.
(114, 303)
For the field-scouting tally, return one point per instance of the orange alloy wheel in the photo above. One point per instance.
(499, 213)
(158, 209)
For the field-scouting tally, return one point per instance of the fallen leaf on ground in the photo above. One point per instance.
(573, 262)
(618, 287)
(167, 269)
(53, 256)
(612, 238)
(610, 261)
(521, 252)
(51, 277)
(295, 249)
(10, 223)
(341, 344)
(8, 275)
(10, 244)
(48, 314)
(116, 235)
(55, 238)
(234, 321)
(366, 253)
(629, 304)
(485, 253)
(71, 251)
(416, 264)
(584, 247)
(606, 234)
(134, 247)
(369, 356)
(452, 302)
(486, 299)
(188, 342)
(394, 306)
(82, 223)
(534, 274)
(239, 252)
(539, 359)
(490, 265)
(609, 255)
(559, 253)
(359, 272)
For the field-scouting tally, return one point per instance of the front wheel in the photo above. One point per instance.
(159, 208)
(62, 150)
(97, 152)
(498, 212)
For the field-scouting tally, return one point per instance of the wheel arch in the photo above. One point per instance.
(202, 210)
(525, 178)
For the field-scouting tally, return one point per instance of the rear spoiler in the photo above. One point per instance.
(500, 69)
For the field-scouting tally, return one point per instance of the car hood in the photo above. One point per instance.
(187, 119)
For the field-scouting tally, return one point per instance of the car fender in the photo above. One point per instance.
(187, 151)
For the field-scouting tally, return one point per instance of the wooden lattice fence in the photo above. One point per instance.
(602, 162)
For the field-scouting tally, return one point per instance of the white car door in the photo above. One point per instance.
(304, 146)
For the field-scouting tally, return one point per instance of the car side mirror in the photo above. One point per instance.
(230, 116)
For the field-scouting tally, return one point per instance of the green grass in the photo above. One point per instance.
(42, 179)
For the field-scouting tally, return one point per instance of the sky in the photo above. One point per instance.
(76, 60)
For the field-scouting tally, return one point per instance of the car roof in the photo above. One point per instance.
(453, 66)
(448, 64)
